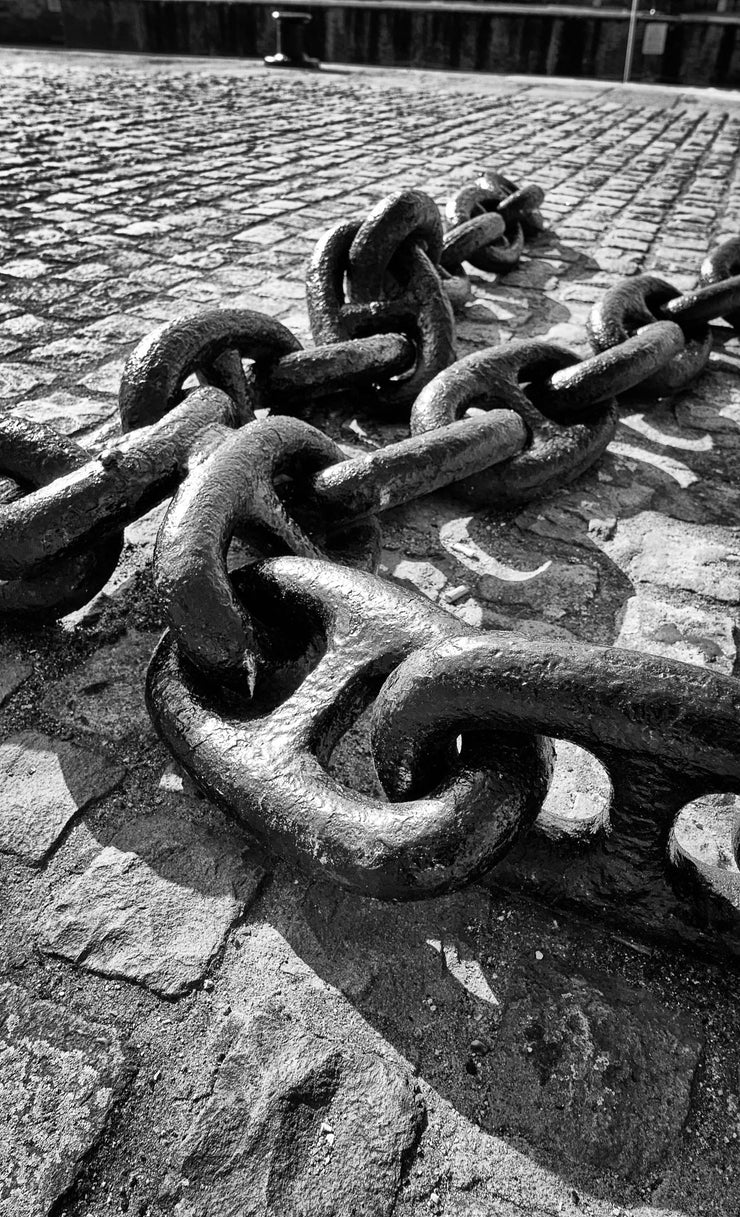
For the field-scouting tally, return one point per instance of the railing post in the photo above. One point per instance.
(631, 35)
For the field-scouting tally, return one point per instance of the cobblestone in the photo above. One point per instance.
(13, 672)
(132, 191)
(105, 695)
(59, 1076)
(155, 905)
(44, 782)
(345, 1149)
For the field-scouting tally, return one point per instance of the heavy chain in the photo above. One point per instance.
(263, 670)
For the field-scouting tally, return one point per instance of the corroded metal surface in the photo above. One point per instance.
(406, 216)
(416, 466)
(520, 203)
(637, 302)
(245, 649)
(129, 477)
(417, 306)
(490, 379)
(723, 263)
(667, 733)
(329, 636)
(500, 254)
(571, 392)
(705, 303)
(234, 491)
(34, 456)
(483, 1044)
(213, 343)
(60, 543)
(323, 370)
(464, 240)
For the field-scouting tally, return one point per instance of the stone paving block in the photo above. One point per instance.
(687, 557)
(59, 1078)
(13, 672)
(577, 1059)
(156, 904)
(44, 782)
(105, 694)
(636, 180)
(333, 1125)
(66, 412)
(689, 633)
(712, 407)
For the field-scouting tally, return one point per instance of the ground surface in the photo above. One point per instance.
(185, 1032)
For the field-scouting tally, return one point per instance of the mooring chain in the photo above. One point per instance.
(381, 317)
(322, 639)
(261, 672)
(460, 741)
(303, 645)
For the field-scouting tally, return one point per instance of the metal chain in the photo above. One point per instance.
(262, 671)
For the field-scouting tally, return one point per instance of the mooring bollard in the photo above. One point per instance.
(290, 52)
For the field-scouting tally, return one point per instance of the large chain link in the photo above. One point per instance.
(262, 671)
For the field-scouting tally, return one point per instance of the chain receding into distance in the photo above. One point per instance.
(263, 669)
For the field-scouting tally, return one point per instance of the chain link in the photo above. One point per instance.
(639, 301)
(262, 670)
(724, 263)
(554, 454)
(328, 637)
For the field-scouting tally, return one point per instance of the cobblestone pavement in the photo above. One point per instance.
(184, 1032)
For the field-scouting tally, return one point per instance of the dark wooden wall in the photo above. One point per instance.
(695, 53)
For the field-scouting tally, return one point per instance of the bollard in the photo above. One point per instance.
(290, 52)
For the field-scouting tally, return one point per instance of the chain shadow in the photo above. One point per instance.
(532, 1030)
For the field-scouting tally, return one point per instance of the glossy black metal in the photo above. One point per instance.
(496, 256)
(126, 480)
(417, 305)
(408, 217)
(490, 379)
(572, 392)
(636, 302)
(321, 371)
(329, 637)
(34, 456)
(235, 492)
(211, 343)
(387, 477)
(457, 288)
(325, 275)
(666, 733)
(290, 51)
(515, 202)
(705, 303)
(465, 240)
(723, 263)
(523, 205)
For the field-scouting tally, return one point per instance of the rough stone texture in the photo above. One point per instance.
(680, 556)
(690, 633)
(44, 782)
(13, 672)
(297, 1124)
(136, 190)
(580, 792)
(592, 1070)
(59, 1076)
(105, 695)
(155, 905)
(533, 1060)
